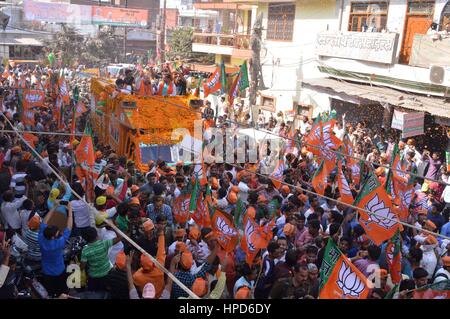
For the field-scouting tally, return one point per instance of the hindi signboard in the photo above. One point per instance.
(84, 14)
(367, 46)
(57, 12)
(119, 16)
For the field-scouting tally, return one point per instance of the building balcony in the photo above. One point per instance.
(234, 45)
(373, 58)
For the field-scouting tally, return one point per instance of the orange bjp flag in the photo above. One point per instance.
(212, 84)
(84, 153)
(181, 208)
(320, 179)
(344, 189)
(340, 279)
(381, 222)
(31, 139)
(314, 138)
(226, 232)
(277, 174)
(252, 241)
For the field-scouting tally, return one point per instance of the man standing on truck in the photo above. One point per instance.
(166, 87)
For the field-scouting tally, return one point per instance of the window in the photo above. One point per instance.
(305, 110)
(280, 26)
(268, 103)
(421, 7)
(368, 16)
(445, 18)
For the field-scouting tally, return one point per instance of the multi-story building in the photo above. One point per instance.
(227, 36)
(362, 57)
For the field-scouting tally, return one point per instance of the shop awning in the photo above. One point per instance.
(23, 41)
(367, 94)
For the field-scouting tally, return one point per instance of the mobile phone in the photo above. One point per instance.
(63, 203)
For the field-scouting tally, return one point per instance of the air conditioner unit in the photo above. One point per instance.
(439, 75)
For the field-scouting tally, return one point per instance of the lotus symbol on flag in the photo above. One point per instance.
(345, 188)
(355, 169)
(379, 213)
(249, 230)
(349, 282)
(214, 80)
(32, 98)
(406, 197)
(224, 227)
(185, 204)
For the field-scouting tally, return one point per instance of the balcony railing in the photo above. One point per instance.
(236, 41)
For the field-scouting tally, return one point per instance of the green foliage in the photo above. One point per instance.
(180, 44)
(70, 47)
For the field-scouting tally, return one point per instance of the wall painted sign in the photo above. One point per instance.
(366, 46)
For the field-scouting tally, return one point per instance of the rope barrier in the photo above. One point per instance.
(117, 230)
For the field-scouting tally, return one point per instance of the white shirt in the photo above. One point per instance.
(339, 132)
(446, 193)
(105, 234)
(24, 214)
(243, 191)
(81, 213)
(10, 214)
(304, 126)
(442, 278)
(3, 274)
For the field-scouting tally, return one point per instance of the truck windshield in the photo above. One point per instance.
(155, 152)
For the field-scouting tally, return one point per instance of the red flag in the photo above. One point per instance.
(226, 232)
(213, 83)
(381, 222)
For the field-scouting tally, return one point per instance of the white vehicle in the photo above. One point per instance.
(115, 69)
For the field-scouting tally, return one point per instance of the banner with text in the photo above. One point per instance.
(84, 14)
(119, 16)
(411, 124)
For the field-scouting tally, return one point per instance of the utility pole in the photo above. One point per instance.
(255, 66)
(125, 38)
(163, 34)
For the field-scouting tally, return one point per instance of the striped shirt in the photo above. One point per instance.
(18, 183)
(96, 256)
(31, 239)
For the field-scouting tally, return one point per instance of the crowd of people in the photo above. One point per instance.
(43, 211)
